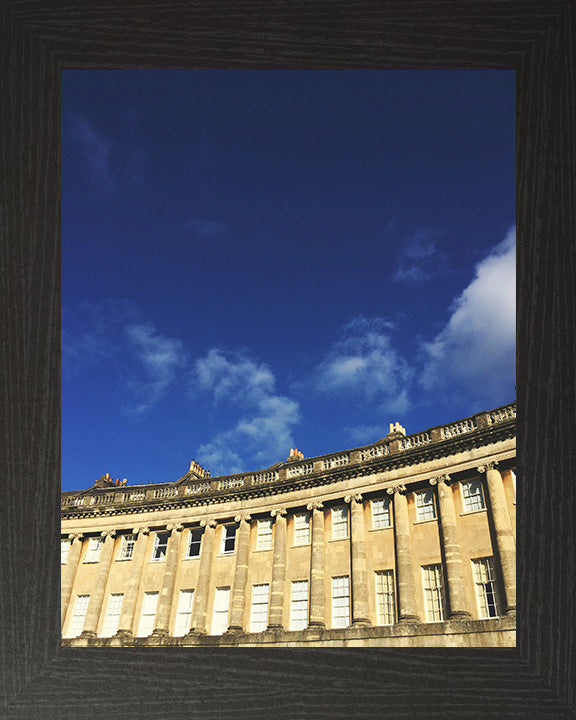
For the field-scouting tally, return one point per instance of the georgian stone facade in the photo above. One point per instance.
(406, 542)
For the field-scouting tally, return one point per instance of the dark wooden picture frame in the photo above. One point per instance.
(39, 679)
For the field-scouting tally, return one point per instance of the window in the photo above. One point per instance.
(385, 605)
(485, 583)
(112, 615)
(77, 622)
(183, 613)
(339, 523)
(64, 547)
(472, 496)
(302, 529)
(220, 617)
(93, 550)
(340, 601)
(433, 592)
(228, 539)
(194, 541)
(148, 614)
(264, 535)
(381, 513)
(299, 605)
(127, 547)
(160, 545)
(425, 508)
(259, 613)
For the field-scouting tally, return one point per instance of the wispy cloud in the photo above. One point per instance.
(419, 259)
(365, 362)
(474, 354)
(263, 433)
(161, 358)
(96, 150)
(206, 228)
(111, 165)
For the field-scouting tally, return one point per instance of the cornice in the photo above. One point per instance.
(478, 438)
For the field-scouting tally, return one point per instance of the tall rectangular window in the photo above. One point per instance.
(259, 610)
(485, 584)
(79, 615)
(425, 507)
(64, 548)
(433, 592)
(381, 513)
(385, 603)
(220, 615)
(340, 601)
(472, 496)
(194, 542)
(339, 522)
(264, 534)
(302, 529)
(148, 614)
(112, 615)
(160, 546)
(93, 550)
(127, 547)
(183, 613)
(228, 539)
(299, 605)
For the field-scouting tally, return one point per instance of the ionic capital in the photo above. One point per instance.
(208, 523)
(108, 533)
(314, 506)
(353, 498)
(75, 536)
(178, 527)
(396, 489)
(491, 465)
(279, 512)
(239, 518)
(142, 531)
(440, 479)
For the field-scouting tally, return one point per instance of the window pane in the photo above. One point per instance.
(302, 529)
(77, 622)
(194, 542)
(433, 592)
(340, 601)
(64, 548)
(485, 584)
(148, 614)
(264, 536)
(299, 605)
(183, 613)
(472, 496)
(220, 618)
(385, 603)
(425, 508)
(112, 615)
(340, 522)
(380, 513)
(259, 614)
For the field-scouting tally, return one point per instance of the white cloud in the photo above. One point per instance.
(474, 355)
(263, 433)
(364, 361)
(161, 357)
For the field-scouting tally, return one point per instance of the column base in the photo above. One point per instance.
(316, 624)
(408, 619)
(159, 633)
(87, 634)
(361, 622)
(460, 615)
(275, 626)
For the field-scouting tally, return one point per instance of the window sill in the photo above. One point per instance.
(192, 557)
(339, 539)
(261, 550)
(473, 512)
(421, 522)
(122, 559)
(384, 527)
(300, 545)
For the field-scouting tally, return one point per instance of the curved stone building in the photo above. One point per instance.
(406, 542)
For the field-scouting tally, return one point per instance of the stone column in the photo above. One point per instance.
(359, 580)
(97, 595)
(317, 613)
(278, 570)
(204, 576)
(240, 573)
(68, 573)
(452, 554)
(505, 543)
(138, 563)
(162, 622)
(404, 568)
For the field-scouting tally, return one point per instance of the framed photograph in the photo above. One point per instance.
(340, 676)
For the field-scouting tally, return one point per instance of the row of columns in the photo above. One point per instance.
(405, 581)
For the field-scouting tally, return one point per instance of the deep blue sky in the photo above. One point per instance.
(253, 261)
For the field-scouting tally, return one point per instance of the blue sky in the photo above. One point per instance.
(254, 261)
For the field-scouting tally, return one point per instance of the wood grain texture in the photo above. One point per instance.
(41, 680)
